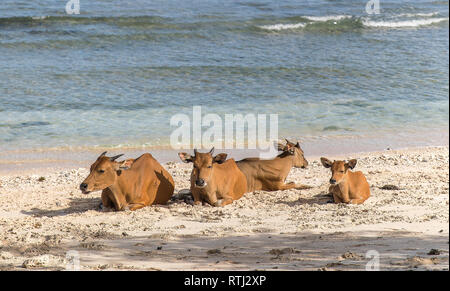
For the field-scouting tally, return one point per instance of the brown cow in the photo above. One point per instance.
(346, 186)
(214, 180)
(130, 184)
(270, 175)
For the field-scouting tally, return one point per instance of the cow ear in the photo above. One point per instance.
(220, 158)
(280, 147)
(289, 148)
(351, 164)
(126, 165)
(326, 162)
(185, 158)
(297, 145)
(102, 155)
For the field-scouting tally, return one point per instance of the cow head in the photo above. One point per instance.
(294, 149)
(104, 173)
(203, 165)
(339, 169)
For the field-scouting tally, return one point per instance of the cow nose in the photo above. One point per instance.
(332, 181)
(200, 182)
(83, 186)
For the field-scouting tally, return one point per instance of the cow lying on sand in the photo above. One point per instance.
(214, 180)
(270, 175)
(347, 186)
(130, 184)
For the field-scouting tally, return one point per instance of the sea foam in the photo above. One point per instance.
(405, 23)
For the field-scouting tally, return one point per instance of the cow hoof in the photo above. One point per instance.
(218, 203)
(107, 209)
(100, 206)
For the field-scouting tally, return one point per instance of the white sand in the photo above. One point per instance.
(40, 222)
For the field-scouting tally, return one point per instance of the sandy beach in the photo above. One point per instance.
(47, 224)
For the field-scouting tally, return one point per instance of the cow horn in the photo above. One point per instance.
(112, 159)
(287, 140)
(195, 152)
(103, 154)
(211, 151)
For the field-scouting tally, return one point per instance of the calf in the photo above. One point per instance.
(130, 184)
(270, 175)
(347, 186)
(215, 180)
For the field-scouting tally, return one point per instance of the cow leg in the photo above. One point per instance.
(285, 186)
(212, 199)
(336, 198)
(197, 198)
(135, 206)
(223, 202)
(334, 191)
(119, 202)
(357, 200)
(107, 203)
(302, 187)
(282, 186)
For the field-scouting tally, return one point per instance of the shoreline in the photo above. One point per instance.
(23, 161)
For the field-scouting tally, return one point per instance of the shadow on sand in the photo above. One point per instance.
(76, 205)
(397, 250)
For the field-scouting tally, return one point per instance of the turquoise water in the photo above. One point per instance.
(115, 74)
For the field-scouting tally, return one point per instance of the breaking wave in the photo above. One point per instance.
(332, 22)
(405, 23)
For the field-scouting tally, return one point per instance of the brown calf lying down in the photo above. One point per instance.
(347, 186)
(270, 175)
(215, 180)
(130, 184)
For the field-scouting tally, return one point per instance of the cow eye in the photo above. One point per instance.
(209, 167)
(101, 171)
(341, 171)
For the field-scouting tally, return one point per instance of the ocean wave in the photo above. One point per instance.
(431, 14)
(346, 22)
(403, 24)
(306, 20)
(327, 18)
(282, 26)
(325, 23)
(19, 21)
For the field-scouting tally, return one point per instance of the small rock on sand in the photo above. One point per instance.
(350, 256)
(434, 252)
(284, 251)
(214, 252)
(390, 187)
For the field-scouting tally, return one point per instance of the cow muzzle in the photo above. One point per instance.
(84, 188)
(200, 183)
